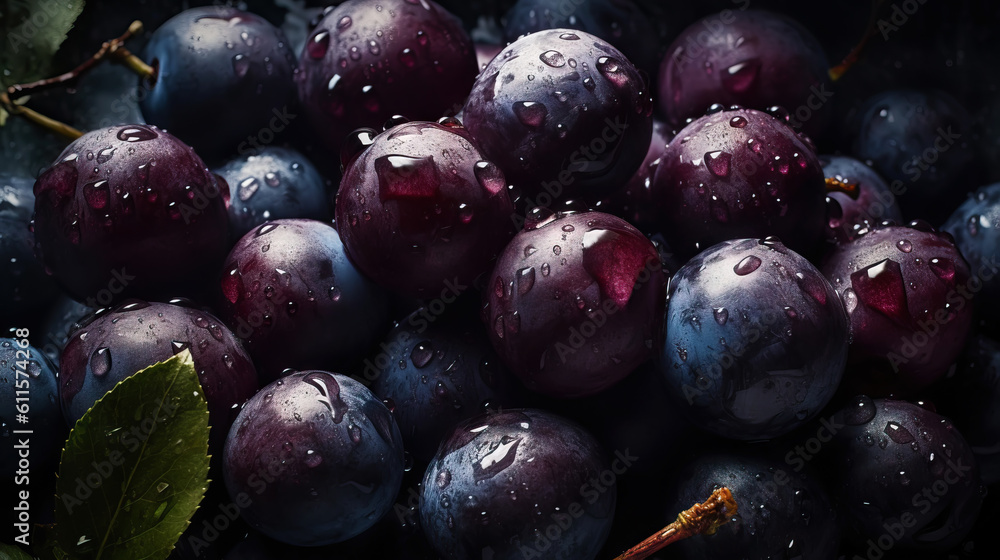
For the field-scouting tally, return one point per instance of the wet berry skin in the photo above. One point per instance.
(756, 339)
(290, 293)
(26, 372)
(368, 60)
(747, 57)
(739, 173)
(222, 76)
(619, 22)
(320, 455)
(115, 343)
(437, 373)
(574, 302)
(918, 140)
(634, 200)
(500, 480)
(895, 464)
(783, 513)
(974, 225)
(422, 208)
(272, 184)
(24, 286)
(970, 398)
(909, 296)
(563, 113)
(857, 197)
(130, 211)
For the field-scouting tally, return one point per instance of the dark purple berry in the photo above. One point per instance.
(739, 173)
(747, 57)
(367, 60)
(895, 464)
(756, 339)
(130, 211)
(619, 22)
(856, 198)
(421, 208)
(291, 295)
(907, 293)
(919, 141)
(320, 456)
(118, 342)
(562, 113)
(222, 76)
(272, 184)
(501, 479)
(437, 373)
(575, 301)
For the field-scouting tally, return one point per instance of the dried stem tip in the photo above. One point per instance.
(699, 519)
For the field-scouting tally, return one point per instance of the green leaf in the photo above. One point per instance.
(135, 466)
(32, 31)
(9, 552)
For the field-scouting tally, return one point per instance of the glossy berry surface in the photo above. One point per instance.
(500, 480)
(436, 373)
(562, 113)
(222, 76)
(619, 22)
(421, 208)
(783, 513)
(756, 339)
(974, 225)
(897, 466)
(115, 343)
(909, 295)
(919, 141)
(971, 400)
(289, 292)
(130, 211)
(24, 285)
(272, 184)
(634, 200)
(321, 456)
(26, 372)
(368, 60)
(574, 302)
(856, 198)
(746, 57)
(739, 173)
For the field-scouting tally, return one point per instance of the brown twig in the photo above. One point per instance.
(700, 519)
(112, 47)
(59, 128)
(852, 57)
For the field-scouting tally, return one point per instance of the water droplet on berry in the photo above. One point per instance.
(422, 354)
(721, 315)
(554, 59)
(136, 134)
(100, 361)
(739, 77)
(718, 163)
(241, 65)
(97, 194)
(747, 265)
(530, 113)
(525, 280)
(489, 176)
(247, 188)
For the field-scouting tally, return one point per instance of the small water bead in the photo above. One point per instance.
(316, 48)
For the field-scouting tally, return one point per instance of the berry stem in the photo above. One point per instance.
(125, 57)
(852, 57)
(59, 128)
(699, 519)
(114, 47)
